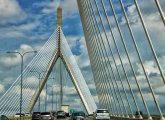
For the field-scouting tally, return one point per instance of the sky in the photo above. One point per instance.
(26, 25)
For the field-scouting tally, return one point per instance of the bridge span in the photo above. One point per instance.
(125, 42)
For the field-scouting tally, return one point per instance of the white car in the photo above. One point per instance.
(27, 114)
(101, 114)
(19, 115)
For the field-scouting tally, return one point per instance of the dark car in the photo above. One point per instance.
(60, 114)
(54, 113)
(47, 116)
(3, 117)
(78, 116)
(36, 116)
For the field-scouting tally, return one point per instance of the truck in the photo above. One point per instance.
(65, 108)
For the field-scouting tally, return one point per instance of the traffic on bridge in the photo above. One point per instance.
(82, 60)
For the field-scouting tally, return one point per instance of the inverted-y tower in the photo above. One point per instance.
(72, 69)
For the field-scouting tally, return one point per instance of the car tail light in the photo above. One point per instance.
(74, 118)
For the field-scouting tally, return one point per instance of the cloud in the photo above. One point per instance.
(2, 88)
(13, 59)
(32, 81)
(70, 91)
(150, 68)
(71, 39)
(12, 12)
(69, 8)
(18, 31)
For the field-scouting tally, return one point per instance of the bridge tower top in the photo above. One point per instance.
(59, 16)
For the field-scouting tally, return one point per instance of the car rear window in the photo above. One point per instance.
(36, 112)
(60, 111)
(102, 111)
(45, 113)
(78, 114)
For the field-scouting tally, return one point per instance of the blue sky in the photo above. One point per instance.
(27, 24)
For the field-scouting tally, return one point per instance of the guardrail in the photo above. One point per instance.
(18, 118)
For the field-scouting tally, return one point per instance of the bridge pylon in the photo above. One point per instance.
(71, 67)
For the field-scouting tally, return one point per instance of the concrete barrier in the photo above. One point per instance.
(18, 118)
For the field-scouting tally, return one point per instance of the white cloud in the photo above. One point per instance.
(150, 67)
(69, 7)
(160, 89)
(13, 34)
(72, 40)
(32, 81)
(25, 48)
(14, 59)
(2, 88)
(70, 90)
(8, 80)
(27, 26)
(11, 11)
(18, 31)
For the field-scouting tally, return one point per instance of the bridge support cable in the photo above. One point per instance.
(9, 101)
(96, 67)
(99, 73)
(7, 94)
(86, 37)
(101, 85)
(139, 56)
(149, 40)
(77, 78)
(125, 74)
(56, 47)
(46, 74)
(110, 66)
(104, 60)
(154, 54)
(160, 11)
(89, 33)
(128, 56)
(83, 18)
(104, 54)
(114, 77)
(110, 48)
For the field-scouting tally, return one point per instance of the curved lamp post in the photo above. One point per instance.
(39, 77)
(21, 55)
(46, 94)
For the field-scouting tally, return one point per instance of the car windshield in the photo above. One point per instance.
(19, 114)
(45, 113)
(79, 114)
(36, 113)
(60, 112)
(102, 111)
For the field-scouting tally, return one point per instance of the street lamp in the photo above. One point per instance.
(39, 77)
(46, 94)
(22, 55)
(52, 97)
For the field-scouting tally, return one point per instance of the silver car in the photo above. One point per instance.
(100, 114)
(47, 116)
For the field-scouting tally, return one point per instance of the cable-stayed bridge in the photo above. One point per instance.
(127, 67)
